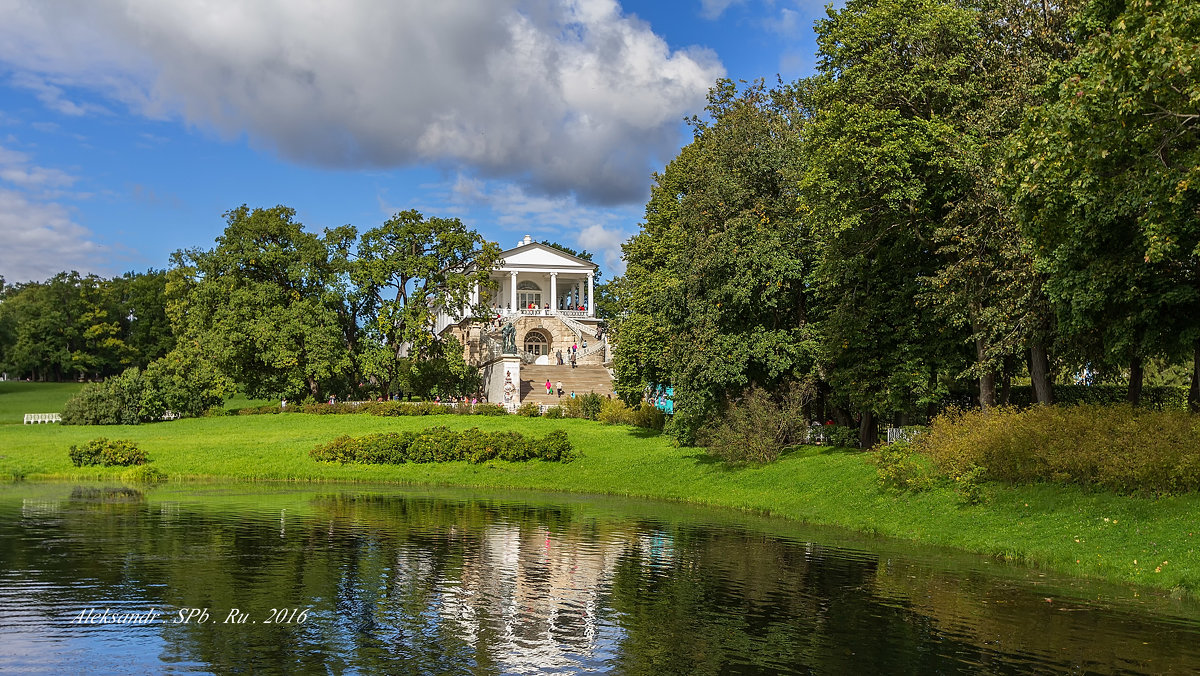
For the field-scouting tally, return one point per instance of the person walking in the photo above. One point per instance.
(560, 390)
(572, 360)
(549, 389)
(584, 345)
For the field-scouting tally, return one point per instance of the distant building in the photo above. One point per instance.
(548, 296)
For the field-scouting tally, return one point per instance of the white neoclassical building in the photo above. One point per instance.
(548, 296)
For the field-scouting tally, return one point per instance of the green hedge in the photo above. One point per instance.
(441, 444)
(109, 453)
(380, 408)
(1119, 448)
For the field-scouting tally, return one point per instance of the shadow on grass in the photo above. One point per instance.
(701, 457)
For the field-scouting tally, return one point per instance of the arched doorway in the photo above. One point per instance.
(537, 342)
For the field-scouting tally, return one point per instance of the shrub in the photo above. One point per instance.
(648, 416)
(441, 444)
(554, 413)
(615, 412)
(590, 405)
(555, 447)
(109, 453)
(529, 410)
(755, 429)
(899, 467)
(490, 409)
(116, 401)
(842, 436)
(1118, 448)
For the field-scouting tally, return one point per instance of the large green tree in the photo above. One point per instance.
(1106, 174)
(881, 175)
(265, 305)
(405, 271)
(716, 280)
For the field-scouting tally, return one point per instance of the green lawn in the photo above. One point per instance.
(1141, 540)
(17, 399)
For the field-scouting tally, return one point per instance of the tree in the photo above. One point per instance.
(716, 280)
(263, 305)
(406, 270)
(880, 178)
(1106, 175)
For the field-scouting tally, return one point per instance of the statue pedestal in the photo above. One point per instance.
(504, 386)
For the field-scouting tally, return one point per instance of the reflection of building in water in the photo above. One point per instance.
(534, 594)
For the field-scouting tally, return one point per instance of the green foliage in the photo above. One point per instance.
(109, 453)
(900, 468)
(441, 444)
(74, 326)
(590, 405)
(755, 428)
(842, 436)
(555, 413)
(716, 286)
(143, 474)
(1117, 448)
(184, 382)
(615, 412)
(405, 270)
(529, 409)
(116, 401)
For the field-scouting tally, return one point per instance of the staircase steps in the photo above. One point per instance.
(581, 380)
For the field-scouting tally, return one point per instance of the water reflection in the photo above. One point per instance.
(399, 582)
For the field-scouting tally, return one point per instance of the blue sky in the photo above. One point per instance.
(128, 128)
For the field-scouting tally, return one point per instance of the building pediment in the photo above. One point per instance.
(540, 256)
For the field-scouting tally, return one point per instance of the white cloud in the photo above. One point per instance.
(564, 96)
(558, 219)
(41, 240)
(713, 9)
(39, 237)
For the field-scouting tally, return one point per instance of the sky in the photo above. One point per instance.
(127, 128)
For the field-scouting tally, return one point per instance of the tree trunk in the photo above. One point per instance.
(1039, 374)
(868, 431)
(987, 380)
(1006, 382)
(1136, 376)
(313, 389)
(1194, 391)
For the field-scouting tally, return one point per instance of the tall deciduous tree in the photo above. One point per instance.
(1107, 178)
(406, 270)
(263, 305)
(881, 177)
(716, 280)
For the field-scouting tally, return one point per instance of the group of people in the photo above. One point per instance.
(572, 353)
(550, 389)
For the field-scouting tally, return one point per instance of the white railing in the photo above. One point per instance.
(895, 434)
(39, 418)
(591, 349)
(578, 327)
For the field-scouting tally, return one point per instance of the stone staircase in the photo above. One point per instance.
(582, 379)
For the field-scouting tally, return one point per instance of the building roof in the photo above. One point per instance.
(530, 254)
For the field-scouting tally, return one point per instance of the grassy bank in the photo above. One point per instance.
(1140, 540)
(17, 399)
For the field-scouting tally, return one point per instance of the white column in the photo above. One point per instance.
(512, 290)
(591, 311)
(553, 292)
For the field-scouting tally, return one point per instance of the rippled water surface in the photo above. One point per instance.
(359, 580)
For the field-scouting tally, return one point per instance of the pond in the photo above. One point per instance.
(352, 579)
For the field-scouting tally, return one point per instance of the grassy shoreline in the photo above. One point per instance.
(1144, 541)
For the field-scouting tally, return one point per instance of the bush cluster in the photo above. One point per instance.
(755, 428)
(116, 401)
(441, 444)
(1118, 448)
(109, 453)
(615, 412)
(380, 408)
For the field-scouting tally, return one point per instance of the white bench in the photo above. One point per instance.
(39, 418)
(170, 415)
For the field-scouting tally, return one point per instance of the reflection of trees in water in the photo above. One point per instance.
(400, 584)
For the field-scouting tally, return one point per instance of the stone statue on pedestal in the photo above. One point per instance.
(510, 339)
